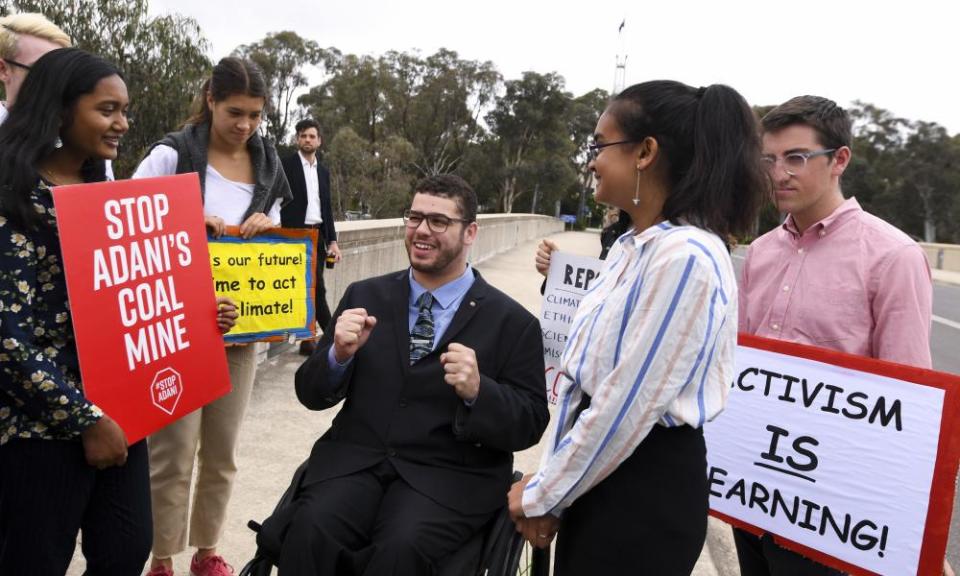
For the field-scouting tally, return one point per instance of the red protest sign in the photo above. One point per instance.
(141, 295)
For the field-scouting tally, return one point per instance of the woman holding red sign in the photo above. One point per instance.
(66, 465)
(243, 185)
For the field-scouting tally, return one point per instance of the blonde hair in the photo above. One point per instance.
(28, 24)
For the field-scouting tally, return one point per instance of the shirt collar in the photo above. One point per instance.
(844, 212)
(306, 163)
(447, 294)
(636, 240)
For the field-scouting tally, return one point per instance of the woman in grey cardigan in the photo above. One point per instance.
(242, 185)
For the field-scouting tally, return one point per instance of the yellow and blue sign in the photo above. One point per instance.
(271, 277)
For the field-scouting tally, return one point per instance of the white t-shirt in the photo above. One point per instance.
(224, 198)
(3, 117)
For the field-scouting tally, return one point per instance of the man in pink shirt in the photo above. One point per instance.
(831, 275)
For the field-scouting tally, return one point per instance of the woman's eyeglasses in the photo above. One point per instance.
(17, 64)
(593, 150)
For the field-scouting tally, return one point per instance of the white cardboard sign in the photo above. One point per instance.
(569, 278)
(828, 457)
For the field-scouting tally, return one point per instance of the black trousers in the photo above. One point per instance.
(764, 557)
(321, 307)
(371, 523)
(48, 493)
(647, 518)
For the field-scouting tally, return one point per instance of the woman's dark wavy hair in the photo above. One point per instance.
(711, 142)
(43, 110)
(231, 75)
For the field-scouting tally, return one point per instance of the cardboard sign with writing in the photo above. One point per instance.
(144, 311)
(271, 277)
(848, 460)
(569, 278)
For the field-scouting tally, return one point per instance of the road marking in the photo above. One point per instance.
(946, 322)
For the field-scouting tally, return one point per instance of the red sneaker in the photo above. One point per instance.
(160, 571)
(210, 566)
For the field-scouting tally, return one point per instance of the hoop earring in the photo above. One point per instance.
(636, 194)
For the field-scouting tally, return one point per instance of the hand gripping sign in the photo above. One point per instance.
(847, 460)
(142, 300)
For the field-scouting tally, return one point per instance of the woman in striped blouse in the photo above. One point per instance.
(650, 353)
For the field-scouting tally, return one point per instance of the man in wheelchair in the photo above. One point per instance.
(442, 379)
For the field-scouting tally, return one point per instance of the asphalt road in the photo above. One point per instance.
(945, 344)
(945, 347)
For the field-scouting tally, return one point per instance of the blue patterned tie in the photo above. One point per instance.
(421, 337)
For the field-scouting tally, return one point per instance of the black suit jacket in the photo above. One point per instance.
(459, 456)
(293, 213)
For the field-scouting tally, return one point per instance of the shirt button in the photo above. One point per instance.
(823, 233)
(775, 326)
(403, 402)
(786, 288)
(799, 250)
(393, 453)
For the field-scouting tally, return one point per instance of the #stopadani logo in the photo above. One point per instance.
(166, 389)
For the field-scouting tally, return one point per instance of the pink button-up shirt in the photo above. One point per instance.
(850, 282)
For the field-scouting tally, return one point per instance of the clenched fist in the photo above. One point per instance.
(461, 371)
(351, 333)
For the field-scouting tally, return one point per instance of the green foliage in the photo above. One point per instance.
(282, 57)
(163, 60)
(388, 120)
(534, 143)
(431, 102)
(370, 179)
(906, 172)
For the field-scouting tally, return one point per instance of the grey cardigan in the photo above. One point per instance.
(270, 181)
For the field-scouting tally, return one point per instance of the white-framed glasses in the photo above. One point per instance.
(794, 162)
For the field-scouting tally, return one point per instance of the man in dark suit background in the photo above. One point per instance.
(311, 208)
(442, 378)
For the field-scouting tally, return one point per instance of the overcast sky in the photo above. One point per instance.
(900, 56)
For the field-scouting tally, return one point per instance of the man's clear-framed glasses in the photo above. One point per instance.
(593, 150)
(437, 223)
(794, 162)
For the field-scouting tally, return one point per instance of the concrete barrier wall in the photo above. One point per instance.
(943, 256)
(375, 247)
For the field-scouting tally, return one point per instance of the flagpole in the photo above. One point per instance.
(620, 72)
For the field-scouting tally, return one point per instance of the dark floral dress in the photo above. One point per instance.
(40, 391)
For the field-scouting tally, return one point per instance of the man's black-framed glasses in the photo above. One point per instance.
(17, 64)
(593, 150)
(437, 223)
(794, 162)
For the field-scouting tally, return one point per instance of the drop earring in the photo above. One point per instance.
(636, 194)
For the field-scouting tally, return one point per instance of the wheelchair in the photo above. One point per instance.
(497, 550)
